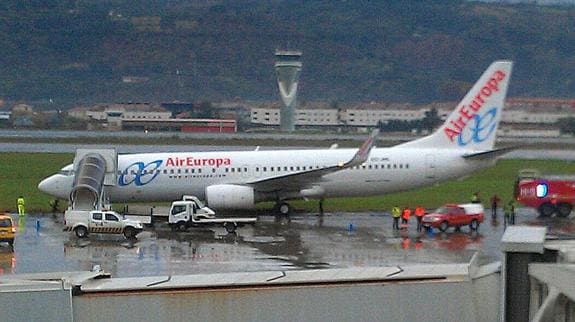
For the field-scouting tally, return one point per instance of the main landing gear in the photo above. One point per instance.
(282, 208)
(282, 211)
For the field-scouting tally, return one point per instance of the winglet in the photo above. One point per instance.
(491, 154)
(363, 152)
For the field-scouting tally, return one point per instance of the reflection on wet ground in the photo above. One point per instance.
(306, 242)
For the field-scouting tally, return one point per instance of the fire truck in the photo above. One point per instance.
(548, 194)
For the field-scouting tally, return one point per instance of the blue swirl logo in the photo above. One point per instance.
(139, 173)
(479, 129)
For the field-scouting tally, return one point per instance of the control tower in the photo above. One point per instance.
(288, 68)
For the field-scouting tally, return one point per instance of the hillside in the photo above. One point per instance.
(407, 51)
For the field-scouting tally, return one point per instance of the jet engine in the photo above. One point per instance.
(229, 196)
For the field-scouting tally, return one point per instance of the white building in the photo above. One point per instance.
(531, 117)
(542, 112)
(5, 115)
(128, 111)
(372, 113)
(309, 117)
(358, 115)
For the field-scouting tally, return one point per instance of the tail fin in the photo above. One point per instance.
(473, 124)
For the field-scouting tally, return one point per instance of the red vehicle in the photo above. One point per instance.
(453, 215)
(549, 195)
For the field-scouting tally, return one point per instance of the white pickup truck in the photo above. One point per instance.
(83, 222)
(191, 212)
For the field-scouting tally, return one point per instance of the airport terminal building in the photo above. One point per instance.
(521, 116)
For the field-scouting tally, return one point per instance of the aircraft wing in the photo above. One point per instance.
(297, 181)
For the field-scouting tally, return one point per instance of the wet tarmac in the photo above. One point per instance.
(340, 240)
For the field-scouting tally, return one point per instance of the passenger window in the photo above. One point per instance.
(111, 217)
(97, 216)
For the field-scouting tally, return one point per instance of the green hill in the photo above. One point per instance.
(407, 51)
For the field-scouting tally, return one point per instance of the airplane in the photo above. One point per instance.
(240, 179)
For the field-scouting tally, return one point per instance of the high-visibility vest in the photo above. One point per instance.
(406, 213)
(20, 201)
(395, 212)
(419, 211)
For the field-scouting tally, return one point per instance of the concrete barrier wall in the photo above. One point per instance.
(36, 305)
(395, 301)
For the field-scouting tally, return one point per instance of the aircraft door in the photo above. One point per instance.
(430, 166)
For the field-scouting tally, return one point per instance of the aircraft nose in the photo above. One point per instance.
(46, 185)
(51, 186)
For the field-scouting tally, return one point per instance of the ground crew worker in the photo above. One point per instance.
(512, 211)
(419, 212)
(21, 208)
(509, 213)
(405, 214)
(494, 201)
(395, 213)
(475, 198)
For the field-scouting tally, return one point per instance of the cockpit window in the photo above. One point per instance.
(66, 172)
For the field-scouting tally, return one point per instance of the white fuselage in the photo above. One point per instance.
(169, 176)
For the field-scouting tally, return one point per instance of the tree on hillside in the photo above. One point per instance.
(567, 125)
(431, 120)
(204, 110)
